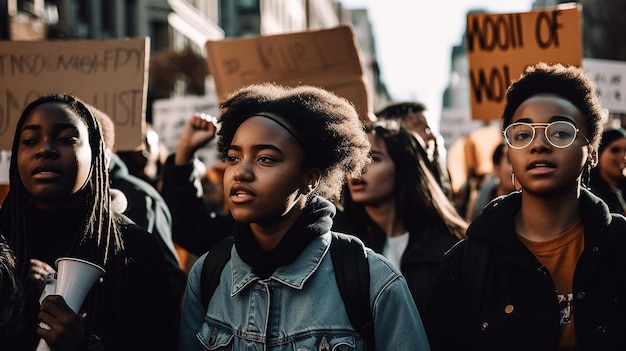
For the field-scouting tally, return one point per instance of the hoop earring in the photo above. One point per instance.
(586, 178)
(513, 180)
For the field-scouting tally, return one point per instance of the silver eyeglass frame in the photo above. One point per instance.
(545, 127)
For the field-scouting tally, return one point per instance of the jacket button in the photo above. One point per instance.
(484, 326)
(508, 309)
(581, 295)
(595, 249)
(213, 337)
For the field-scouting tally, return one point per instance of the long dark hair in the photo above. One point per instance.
(419, 198)
(11, 294)
(99, 238)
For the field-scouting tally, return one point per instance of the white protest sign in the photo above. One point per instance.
(610, 79)
(170, 115)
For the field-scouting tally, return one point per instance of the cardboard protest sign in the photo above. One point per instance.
(610, 79)
(325, 58)
(112, 75)
(501, 46)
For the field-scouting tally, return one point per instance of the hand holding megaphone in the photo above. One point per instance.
(75, 277)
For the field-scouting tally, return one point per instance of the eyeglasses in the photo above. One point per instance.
(383, 127)
(559, 134)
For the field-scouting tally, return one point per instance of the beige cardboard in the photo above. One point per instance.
(325, 58)
(109, 74)
(501, 46)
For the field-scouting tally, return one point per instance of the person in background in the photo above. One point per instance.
(411, 116)
(398, 209)
(196, 224)
(146, 162)
(287, 151)
(59, 205)
(498, 183)
(11, 295)
(607, 180)
(543, 268)
(478, 163)
(143, 204)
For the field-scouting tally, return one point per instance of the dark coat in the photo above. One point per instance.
(147, 208)
(604, 191)
(421, 259)
(196, 227)
(516, 279)
(134, 304)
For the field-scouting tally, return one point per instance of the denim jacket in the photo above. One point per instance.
(299, 307)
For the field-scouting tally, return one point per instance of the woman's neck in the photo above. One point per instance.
(385, 216)
(76, 200)
(541, 219)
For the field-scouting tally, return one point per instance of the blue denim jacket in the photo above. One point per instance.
(298, 308)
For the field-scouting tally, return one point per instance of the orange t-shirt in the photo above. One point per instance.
(560, 256)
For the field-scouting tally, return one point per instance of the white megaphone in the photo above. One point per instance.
(75, 277)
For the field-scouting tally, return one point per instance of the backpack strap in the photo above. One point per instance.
(475, 264)
(353, 279)
(212, 268)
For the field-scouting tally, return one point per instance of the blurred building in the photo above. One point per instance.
(178, 30)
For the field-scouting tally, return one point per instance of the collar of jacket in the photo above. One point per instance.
(293, 275)
(495, 224)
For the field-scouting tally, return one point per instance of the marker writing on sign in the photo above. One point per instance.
(489, 33)
(124, 107)
(34, 64)
(502, 33)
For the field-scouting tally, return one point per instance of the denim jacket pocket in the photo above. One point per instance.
(327, 343)
(214, 338)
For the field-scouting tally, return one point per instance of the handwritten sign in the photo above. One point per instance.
(610, 79)
(109, 74)
(501, 46)
(325, 58)
(170, 115)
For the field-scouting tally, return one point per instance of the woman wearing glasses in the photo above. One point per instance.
(545, 267)
(399, 210)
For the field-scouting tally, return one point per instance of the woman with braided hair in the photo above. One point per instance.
(59, 205)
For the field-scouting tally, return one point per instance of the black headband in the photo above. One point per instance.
(279, 120)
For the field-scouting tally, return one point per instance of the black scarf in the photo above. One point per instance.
(315, 220)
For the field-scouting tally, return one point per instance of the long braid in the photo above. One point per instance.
(101, 226)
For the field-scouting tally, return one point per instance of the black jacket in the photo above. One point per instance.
(147, 208)
(604, 191)
(519, 308)
(134, 309)
(421, 259)
(196, 227)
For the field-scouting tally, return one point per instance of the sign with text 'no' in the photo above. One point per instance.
(501, 46)
(108, 74)
(324, 58)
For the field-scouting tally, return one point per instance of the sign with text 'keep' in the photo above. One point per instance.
(501, 46)
(108, 74)
(325, 58)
